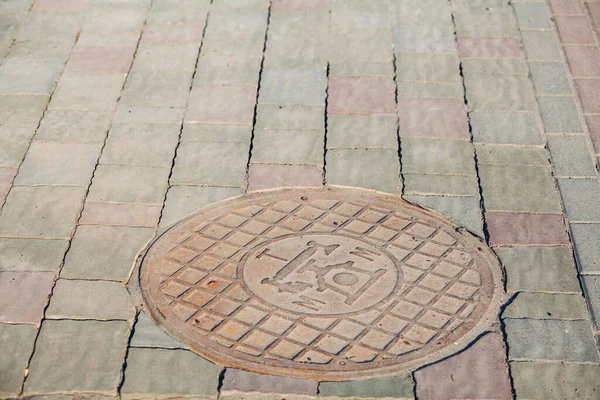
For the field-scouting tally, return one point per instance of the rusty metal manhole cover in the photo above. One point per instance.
(326, 284)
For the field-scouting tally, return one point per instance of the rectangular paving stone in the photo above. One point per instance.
(426, 90)
(216, 133)
(299, 5)
(19, 76)
(24, 296)
(492, 92)
(166, 57)
(296, 51)
(120, 214)
(226, 22)
(589, 92)
(293, 86)
(100, 39)
(227, 71)
(157, 88)
(565, 7)
(151, 372)
(429, 156)
(532, 16)
(85, 91)
(16, 345)
(41, 212)
(584, 61)
(116, 60)
(233, 44)
(510, 66)
(500, 23)
(245, 381)
(544, 269)
(104, 252)
(74, 125)
(559, 114)
(585, 241)
(398, 386)
(573, 29)
(580, 198)
(147, 334)
(221, 104)
(460, 185)
(591, 287)
(50, 26)
(541, 45)
(547, 306)
(371, 169)
(424, 39)
(492, 154)
(115, 18)
(362, 131)
(488, 47)
(164, 12)
(344, 22)
(35, 255)
(361, 68)
(82, 356)
(288, 147)
(563, 149)
(550, 340)
(290, 116)
(14, 141)
(507, 228)
(173, 33)
(22, 110)
(433, 118)
(272, 176)
(357, 6)
(361, 45)
(549, 78)
(129, 115)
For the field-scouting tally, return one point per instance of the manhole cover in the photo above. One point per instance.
(326, 284)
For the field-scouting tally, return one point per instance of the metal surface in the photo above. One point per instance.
(329, 284)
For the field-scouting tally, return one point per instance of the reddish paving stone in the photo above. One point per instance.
(120, 215)
(244, 381)
(479, 372)
(299, 5)
(589, 94)
(594, 9)
(361, 95)
(61, 5)
(24, 295)
(593, 122)
(533, 229)
(584, 61)
(7, 176)
(574, 29)
(566, 7)
(221, 104)
(489, 47)
(100, 59)
(172, 34)
(272, 176)
(433, 118)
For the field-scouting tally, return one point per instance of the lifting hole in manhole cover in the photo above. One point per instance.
(328, 284)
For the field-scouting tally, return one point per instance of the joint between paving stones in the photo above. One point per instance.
(325, 119)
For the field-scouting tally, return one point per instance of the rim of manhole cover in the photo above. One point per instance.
(324, 284)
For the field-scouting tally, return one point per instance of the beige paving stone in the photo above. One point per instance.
(22, 110)
(146, 333)
(489, 154)
(289, 116)
(31, 254)
(430, 156)
(14, 142)
(274, 176)
(547, 306)
(221, 104)
(361, 68)
(165, 57)
(116, 60)
(426, 90)
(493, 92)
(157, 89)
(16, 345)
(130, 115)
(233, 44)
(362, 131)
(511, 66)
(50, 26)
(84, 91)
(227, 71)
(164, 13)
(124, 39)
(371, 169)
(74, 126)
(421, 184)
(288, 147)
(24, 296)
(115, 18)
(172, 34)
(428, 67)
(120, 214)
(216, 133)
(19, 76)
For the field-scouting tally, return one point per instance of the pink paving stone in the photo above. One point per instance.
(23, 296)
(221, 104)
(479, 372)
(526, 229)
(433, 118)
(574, 29)
(100, 59)
(7, 175)
(589, 94)
(361, 95)
(584, 61)
(488, 47)
(61, 5)
(120, 215)
(273, 176)
(593, 123)
(299, 5)
(172, 34)
(566, 7)
(594, 9)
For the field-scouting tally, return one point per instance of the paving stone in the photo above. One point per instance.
(172, 34)
(299, 5)
(74, 125)
(461, 185)
(303, 23)
(16, 345)
(104, 252)
(512, 66)
(429, 156)
(424, 40)
(584, 61)
(157, 88)
(580, 197)
(479, 372)
(587, 251)
(489, 47)
(227, 22)
(147, 334)
(216, 133)
(547, 306)
(221, 104)
(22, 110)
(546, 269)
(541, 45)
(166, 13)
(505, 127)
(370, 169)
(362, 131)
(550, 340)
(123, 39)
(342, 22)
(52, 163)
(361, 68)
(549, 78)
(19, 76)
(35, 255)
(288, 147)
(78, 356)
(519, 189)
(532, 16)
(492, 154)
(293, 86)
(431, 13)
(591, 287)
(153, 372)
(15, 6)
(357, 6)
(41, 50)
(573, 29)
(129, 184)
(100, 59)
(491, 22)
(563, 149)
(148, 115)
(290, 116)
(234, 44)
(420, 90)
(166, 57)
(433, 118)
(211, 163)
(42, 212)
(49, 26)
(24, 296)
(115, 18)
(227, 71)
(7, 176)
(272, 176)
(542, 380)
(491, 92)
(563, 7)
(361, 45)
(589, 93)
(296, 51)
(594, 10)
(519, 228)
(61, 5)
(559, 114)
(244, 381)
(141, 144)
(593, 123)
(120, 215)
(399, 386)
(233, 5)
(84, 91)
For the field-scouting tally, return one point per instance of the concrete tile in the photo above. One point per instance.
(303, 23)
(288, 147)
(427, 39)
(130, 115)
(510, 66)
(591, 287)
(431, 14)
(233, 44)
(157, 89)
(15, 6)
(429, 156)
(549, 78)
(580, 197)
(243, 21)
(227, 71)
(166, 57)
(422, 184)
(573, 29)
(593, 123)
(433, 118)
(104, 252)
(344, 22)
(16, 345)
(532, 16)
(299, 5)
(398, 386)
(589, 94)
(134, 215)
(425, 90)
(147, 334)
(245, 381)
(357, 6)
(129, 184)
(584, 61)
(22, 110)
(585, 242)
(273, 176)
(165, 13)
(290, 116)
(474, 23)
(115, 18)
(293, 86)
(35, 255)
(115, 60)
(172, 34)
(84, 91)
(370, 169)
(563, 149)
(594, 10)
(491, 92)
(78, 356)
(61, 5)
(492, 154)
(519, 228)
(547, 306)
(42, 212)
(221, 104)
(361, 45)
(559, 114)
(565, 7)
(100, 39)
(362, 131)
(24, 296)
(19, 76)
(296, 51)
(49, 26)
(74, 125)
(541, 45)
(489, 47)
(7, 176)
(361, 68)
(216, 133)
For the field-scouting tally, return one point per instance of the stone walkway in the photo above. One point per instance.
(120, 117)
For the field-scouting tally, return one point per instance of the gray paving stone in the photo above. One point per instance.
(591, 287)
(227, 71)
(547, 306)
(237, 44)
(420, 184)
(491, 22)
(22, 110)
(549, 269)
(165, 13)
(549, 77)
(492, 154)
(510, 66)
(129, 184)
(428, 67)
(568, 156)
(74, 299)
(16, 345)
(130, 115)
(152, 372)
(14, 141)
(78, 356)
(285, 116)
(493, 92)
(425, 90)
(532, 16)
(99, 39)
(559, 114)
(342, 22)
(296, 51)
(115, 18)
(74, 125)
(42, 211)
(505, 127)
(399, 386)
(83, 91)
(542, 380)
(157, 88)
(370, 169)
(18, 76)
(37, 50)
(550, 340)
(20, 255)
(234, 5)
(519, 188)
(288, 147)
(147, 334)
(424, 40)
(245, 381)
(362, 45)
(216, 133)
(293, 86)
(166, 57)
(49, 26)
(431, 13)
(104, 252)
(10, 25)
(430, 156)
(362, 131)
(541, 45)
(361, 68)
(234, 21)
(580, 197)
(358, 6)
(300, 23)
(585, 240)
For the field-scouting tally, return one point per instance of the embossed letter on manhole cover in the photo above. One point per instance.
(324, 284)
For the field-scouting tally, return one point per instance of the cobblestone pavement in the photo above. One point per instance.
(120, 117)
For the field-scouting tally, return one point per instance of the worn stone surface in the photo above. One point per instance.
(35, 255)
(562, 149)
(361, 131)
(591, 287)
(399, 386)
(505, 127)
(147, 334)
(546, 306)
(371, 169)
(244, 381)
(585, 243)
(74, 125)
(288, 147)
(422, 184)
(428, 156)
(491, 154)
(120, 214)
(559, 114)
(272, 176)
(519, 228)
(16, 344)
(580, 198)
(24, 296)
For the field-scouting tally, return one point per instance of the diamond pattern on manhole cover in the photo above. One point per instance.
(328, 284)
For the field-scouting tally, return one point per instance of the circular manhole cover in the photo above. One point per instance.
(326, 284)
